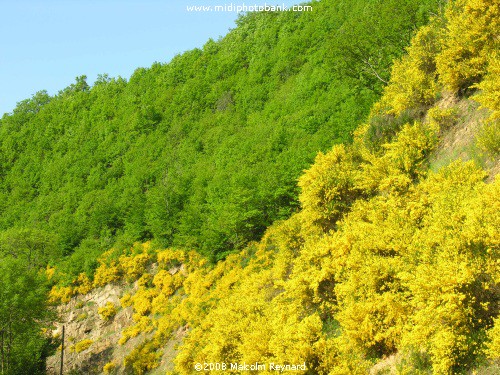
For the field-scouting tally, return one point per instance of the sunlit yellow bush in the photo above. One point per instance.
(141, 300)
(412, 146)
(106, 273)
(49, 272)
(144, 280)
(107, 312)
(442, 117)
(109, 368)
(328, 188)
(413, 80)
(60, 294)
(493, 351)
(489, 97)
(168, 259)
(470, 38)
(82, 285)
(401, 162)
(143, 358)
(163, 280)
(126, 300)
(81, 346)
(134, 266)
(143, 325)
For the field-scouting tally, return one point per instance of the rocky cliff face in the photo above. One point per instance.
(91, 344)
(83, 324)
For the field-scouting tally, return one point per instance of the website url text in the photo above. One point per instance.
(248, 8)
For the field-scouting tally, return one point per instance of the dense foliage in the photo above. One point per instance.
(387, 266)
(23, 315)
(204, 151)
(368, 261)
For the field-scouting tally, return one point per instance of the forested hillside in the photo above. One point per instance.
(204, 151)
(382, 256)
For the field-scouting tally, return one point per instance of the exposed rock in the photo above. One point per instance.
(82, 321)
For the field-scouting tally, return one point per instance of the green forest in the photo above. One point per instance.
(299, 165)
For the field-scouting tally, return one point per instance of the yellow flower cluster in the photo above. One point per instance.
(60, 293)
(81, 346)
(111, 269)
(109, 368)
(107, 312)
(469, 42)
(413, 79)
(143, 325)
(489, 97)
(143, 358)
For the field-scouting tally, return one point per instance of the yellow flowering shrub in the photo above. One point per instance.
(106, 274)
(168, 319)
(143, 358)
(163, 280)
(169, 258)
(107, 312)
(160, 304)
(412, 146)
(143, 325)
(488, 138)
(81, 346)
(126, 300)
(49, 272)
(328, 188)
(145, 280)
(470, 38)
(60, 294)
(141, 300)
(82, 285)
(413, 80)
(489, 97)
(399, 163)
(109, 368)
(493, 346)
(134, 266)
(442, 117)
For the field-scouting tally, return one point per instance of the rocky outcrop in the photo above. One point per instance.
(90, 340)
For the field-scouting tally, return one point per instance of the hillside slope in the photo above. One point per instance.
(391, 265)
(200, 153)
(204, 151)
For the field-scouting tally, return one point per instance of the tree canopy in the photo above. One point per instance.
(203, 151)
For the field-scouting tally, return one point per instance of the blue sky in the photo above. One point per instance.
(45, 44)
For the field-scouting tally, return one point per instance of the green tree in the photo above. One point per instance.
(23, 314)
